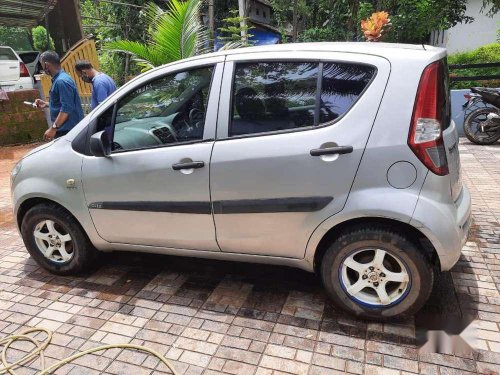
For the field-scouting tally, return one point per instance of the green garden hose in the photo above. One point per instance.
(41, 346)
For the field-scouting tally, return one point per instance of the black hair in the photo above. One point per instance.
(50, 57)
(83, 65)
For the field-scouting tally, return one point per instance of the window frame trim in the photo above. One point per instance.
(218, 70)
(223, 129)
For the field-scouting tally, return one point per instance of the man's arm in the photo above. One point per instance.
(100, 92)
(61, 119)
(66, 96)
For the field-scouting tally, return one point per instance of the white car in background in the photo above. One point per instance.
(14, 75)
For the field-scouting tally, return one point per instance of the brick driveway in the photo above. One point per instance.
(219, 317)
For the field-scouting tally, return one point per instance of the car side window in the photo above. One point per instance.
(274, 96)
(165, 111)
(341, 86)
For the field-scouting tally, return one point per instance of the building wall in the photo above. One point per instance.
(20, 123)
(260, 12)
(466, 37)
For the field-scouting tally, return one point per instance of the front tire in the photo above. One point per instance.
(377, 274)
(56, 240)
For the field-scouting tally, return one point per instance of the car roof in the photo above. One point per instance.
(373, 48)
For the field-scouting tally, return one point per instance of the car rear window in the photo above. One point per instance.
(7, 54)
(28, 57)
(280, 96)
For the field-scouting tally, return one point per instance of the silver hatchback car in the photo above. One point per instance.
(336, 158)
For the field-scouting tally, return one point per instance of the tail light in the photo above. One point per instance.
(426, 131)
(24, 72)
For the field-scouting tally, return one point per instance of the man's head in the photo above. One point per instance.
(85, 70)
(51, 63)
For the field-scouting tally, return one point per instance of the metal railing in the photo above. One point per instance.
(488, 77)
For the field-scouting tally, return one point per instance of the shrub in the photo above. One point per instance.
(486, 54)
(40, 39)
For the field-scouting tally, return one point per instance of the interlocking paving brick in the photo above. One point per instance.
(212, 317)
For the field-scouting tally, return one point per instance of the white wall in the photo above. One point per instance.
(466, 37)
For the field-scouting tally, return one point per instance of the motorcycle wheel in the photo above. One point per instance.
(472, 127)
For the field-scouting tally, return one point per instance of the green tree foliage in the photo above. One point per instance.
(40, 42)
(173, 34)
(230, 32)
(491, 7)
(110, 21)
(413, 20)
(16, 37)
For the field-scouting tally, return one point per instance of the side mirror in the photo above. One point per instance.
(100, 144)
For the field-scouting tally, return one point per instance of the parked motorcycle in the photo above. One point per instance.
(482, 123)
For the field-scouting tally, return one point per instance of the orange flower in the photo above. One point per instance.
(375, 26)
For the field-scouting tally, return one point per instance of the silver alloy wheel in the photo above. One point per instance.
(52, 242)
(374, 277)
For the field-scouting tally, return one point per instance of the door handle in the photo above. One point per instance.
(337, 150)
(188, 165)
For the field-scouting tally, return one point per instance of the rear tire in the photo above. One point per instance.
(395, 278)
(470, 127)
(56, 240)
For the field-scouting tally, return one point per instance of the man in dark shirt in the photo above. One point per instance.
(64, 101)
(102, 84)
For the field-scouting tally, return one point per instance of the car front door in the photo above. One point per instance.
(291, 132)
(154, 187)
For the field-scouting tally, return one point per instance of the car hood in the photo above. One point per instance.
(40, 148)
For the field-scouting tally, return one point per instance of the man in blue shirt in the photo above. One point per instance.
(64, 101)
(102, 84)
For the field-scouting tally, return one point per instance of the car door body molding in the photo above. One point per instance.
(151, 206)
(294, 204)
(248, 206)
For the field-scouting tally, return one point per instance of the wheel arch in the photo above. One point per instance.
(406, 229)
(29, 203)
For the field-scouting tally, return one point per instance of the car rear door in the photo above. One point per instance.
(9, 66)
(292, 129)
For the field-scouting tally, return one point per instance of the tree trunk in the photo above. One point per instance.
(211, 24)
(243, 22)
(315, 13)
(352, 24)
(127, 57)
(295, 21)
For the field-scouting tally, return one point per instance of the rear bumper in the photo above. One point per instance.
(24, 83)
(444, 222)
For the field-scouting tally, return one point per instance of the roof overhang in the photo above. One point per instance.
(24, 13)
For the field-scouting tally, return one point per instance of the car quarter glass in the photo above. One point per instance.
(341, 86)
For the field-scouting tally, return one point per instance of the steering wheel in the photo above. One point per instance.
(196, 115)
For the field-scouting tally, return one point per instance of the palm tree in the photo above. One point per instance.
(174, 34)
